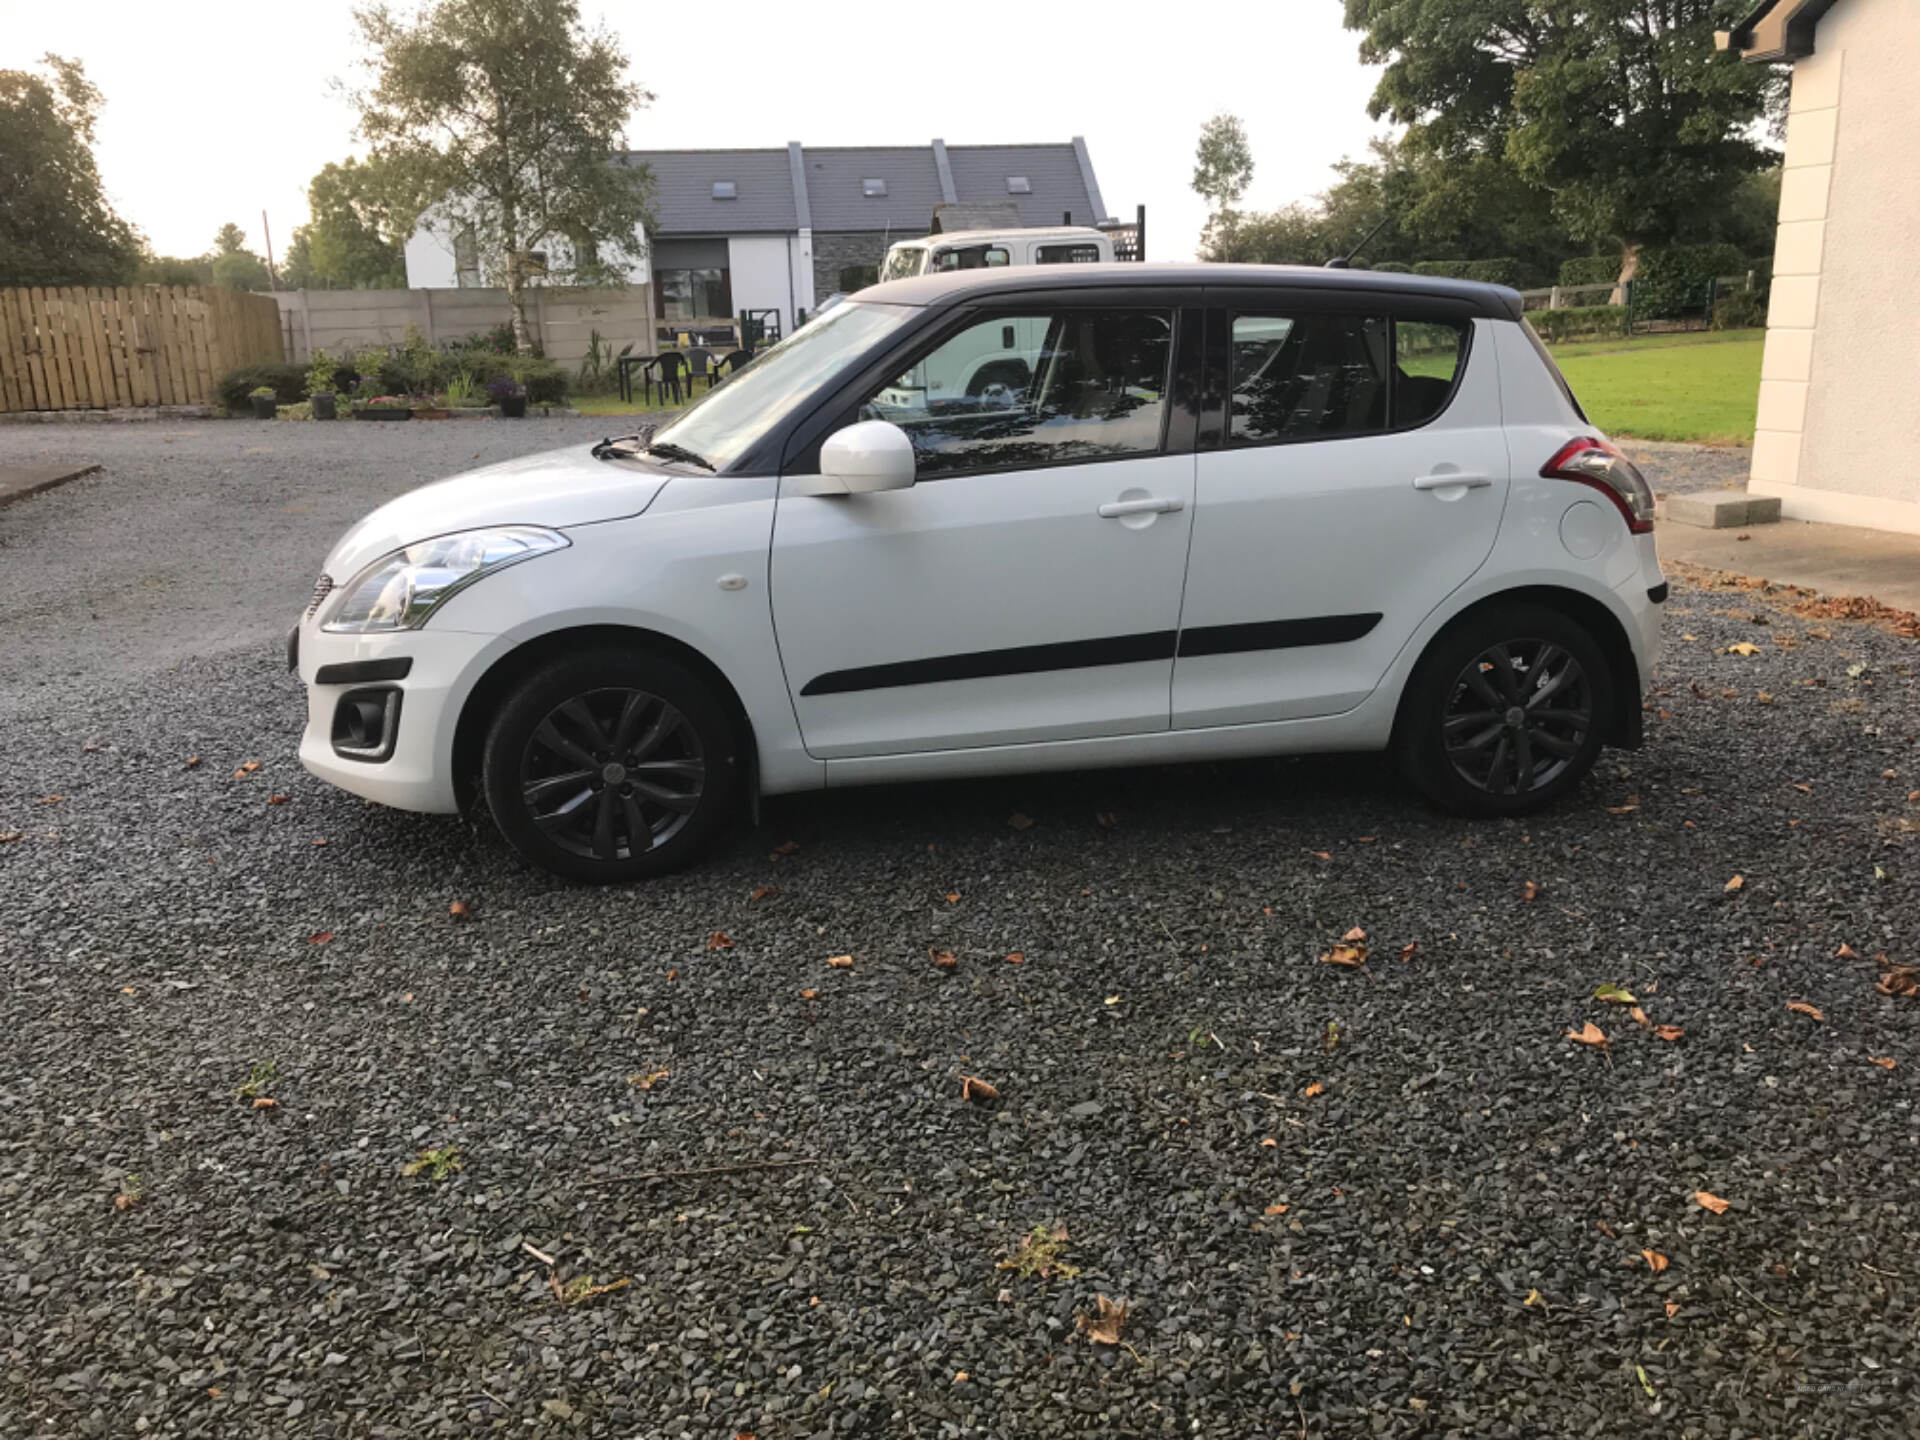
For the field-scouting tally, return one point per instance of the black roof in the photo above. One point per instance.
(1496, 302)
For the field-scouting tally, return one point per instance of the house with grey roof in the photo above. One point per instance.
(780, 230)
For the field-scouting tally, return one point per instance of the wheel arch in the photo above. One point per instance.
(1623, 724)
(483, 700)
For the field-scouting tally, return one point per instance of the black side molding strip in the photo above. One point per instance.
(1085, 654)
(362, 672)
(1275, 634)
(1658, 593)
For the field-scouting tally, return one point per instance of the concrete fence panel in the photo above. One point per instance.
(562, 319)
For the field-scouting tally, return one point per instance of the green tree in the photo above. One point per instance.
(1620, 109)
(235, 266)
(175, 270)
(352, 241)
(1222, 170)
(56, 225)
(504, 121)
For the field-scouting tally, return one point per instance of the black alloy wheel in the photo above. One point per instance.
(1518, 715)
(611, 765)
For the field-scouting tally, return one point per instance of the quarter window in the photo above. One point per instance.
(1043, 388)
(1426, 356)
(1308, 376)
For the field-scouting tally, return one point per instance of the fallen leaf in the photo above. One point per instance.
(129, 990)
(1639, 1017)
(1673, 1309)
(809, 994)
(193, 762)
(1889, 774)
(1344, 954)
(1323, 854)
(1846, 952)
(673, 974)
(1269, 1143)
(1633, 804)
(1736, 883)
(320, 842)
(959, 1378)
(1900, 980)
(1763, 697)
(1016, 958)
(1111, 1000)
(943, 959)
(1689, 637)
(1803, 789)
(1589, 1034)
(320, 937)
(1276, 1209)
(265, 1102)
(953, 897)
(458, 910)
(8, 837)
(1409, 950)
(1534, 1297)
(1656, 1262)
(841, 962)
(1669, 1033)
(1105, 1324)
(1365, 839)
(1356, 933)
(647, 1079)
(972, 1087)
(765, 892)
(277, 799)
(1316, 1088)
(719, 940)
(1801, 1007)
(787, 847)
(248, 768)
(1530, 891)
(53, 799)
(1885, 1062)
(1614, 994)
(1743, 647)
(1710, 1201)
(1019, 821)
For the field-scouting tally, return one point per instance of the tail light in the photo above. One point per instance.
(1588, 461)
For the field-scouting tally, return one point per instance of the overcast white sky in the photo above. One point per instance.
(215, 112)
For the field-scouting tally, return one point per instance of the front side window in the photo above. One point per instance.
(1310, 376)
(1033, 389)
(968, 257)
(1082, 253)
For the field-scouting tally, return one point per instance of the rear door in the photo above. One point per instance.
(1355, 479)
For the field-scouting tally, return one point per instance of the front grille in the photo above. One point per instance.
(321, 589)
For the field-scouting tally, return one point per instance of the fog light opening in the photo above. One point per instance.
(366, 723)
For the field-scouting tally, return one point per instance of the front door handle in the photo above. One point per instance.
(1451, 479)
(1152, 505)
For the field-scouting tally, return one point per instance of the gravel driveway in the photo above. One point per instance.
(1391, 1199)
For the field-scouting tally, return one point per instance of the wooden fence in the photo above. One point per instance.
(71, 348)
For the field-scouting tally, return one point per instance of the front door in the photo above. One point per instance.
(1360, 481)
(1027, 586)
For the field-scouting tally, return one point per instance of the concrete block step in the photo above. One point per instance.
(1719, 509)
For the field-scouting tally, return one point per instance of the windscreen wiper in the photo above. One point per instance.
(623, 447)
(667, 450)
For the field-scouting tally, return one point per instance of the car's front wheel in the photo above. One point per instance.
(612, 765)
(1505, 713)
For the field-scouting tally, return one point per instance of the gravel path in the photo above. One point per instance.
(1386, 1200)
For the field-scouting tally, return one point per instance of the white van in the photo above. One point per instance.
(988, 249)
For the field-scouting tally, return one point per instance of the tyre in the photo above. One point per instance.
(612, 765)
(1503, 714)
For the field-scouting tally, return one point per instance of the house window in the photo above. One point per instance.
(466, 258)
(724, 190)
(692, 294)
(1019, 185)
(873, 189)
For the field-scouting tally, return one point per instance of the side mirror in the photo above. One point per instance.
(861, 459)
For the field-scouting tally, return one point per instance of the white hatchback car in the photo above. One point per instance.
(1008, 520)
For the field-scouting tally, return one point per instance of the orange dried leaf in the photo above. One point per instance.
(1633, 804)
(53, 799)
(193, 762)
(277, 799)
(719, 940)
(765, 892)
(1409, 950)
(787, 847)
(953, 897)
(265, 1102)
(1801, 1007)
(1673, 1309)
(1736, 882)
(1669, 1033)
(1323, 854)
(1356, 933)
(1530, 891)
(320, 937)
(1709, 1201)
(1846, 952)
(1106, 1322)
(1276, 1209)
(972, 1087)
(673, 974)
(1344, 954)
(1885, 1062)
(1656, 1262)
(1640, 1017)
(1017, 958)
(458, 910)
(1900, 980)
(809, 994)
(1589, 1034)
(1316, 1088)
(840, 962)
(1269, 1143)
(943, 959)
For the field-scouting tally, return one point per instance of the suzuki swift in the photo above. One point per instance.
(1009, 520)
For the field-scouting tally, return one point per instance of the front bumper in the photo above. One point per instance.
(432, 671)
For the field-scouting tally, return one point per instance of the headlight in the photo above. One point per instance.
(400, 591)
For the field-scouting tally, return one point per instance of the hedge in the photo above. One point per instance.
(1579, 322)
(1740, 310)
(1590, 270)
(1392, 267)
(1671, 280)
(1502, 270)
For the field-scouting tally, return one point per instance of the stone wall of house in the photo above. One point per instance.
(833, 253)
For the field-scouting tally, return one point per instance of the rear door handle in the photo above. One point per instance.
(1153, 505)
(1451, 479)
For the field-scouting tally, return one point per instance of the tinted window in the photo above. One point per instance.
(1308, 376)
(1035, 389)
(969, 257)
(1082, 254)
(1427, 357)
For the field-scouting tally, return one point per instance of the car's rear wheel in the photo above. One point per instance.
(1506, 712)
(608, 766)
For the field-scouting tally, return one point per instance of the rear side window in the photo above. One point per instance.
(1298, 377)
(1082, 254)
(1426, 357)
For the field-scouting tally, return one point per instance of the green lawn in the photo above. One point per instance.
(614, 405)
(1699, 386)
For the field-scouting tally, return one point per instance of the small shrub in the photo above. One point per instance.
(1672, 280)
(1579, 322)
(545, 382)
(320, 372)
(1590, 270)
(287, 383)
(302, 411)
(1740, 310)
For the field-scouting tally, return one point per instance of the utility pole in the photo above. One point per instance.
(272, 283)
